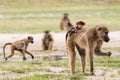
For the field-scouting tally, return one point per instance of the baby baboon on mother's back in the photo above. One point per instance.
(65, 22)
(86, 42)
(47, 41)
(20, 45)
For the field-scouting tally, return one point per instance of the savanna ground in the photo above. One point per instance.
(18, 19)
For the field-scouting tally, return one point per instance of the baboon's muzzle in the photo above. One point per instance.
(32, 42)
(106, 39)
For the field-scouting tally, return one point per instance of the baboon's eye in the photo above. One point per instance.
(99, 28)
(106, 32)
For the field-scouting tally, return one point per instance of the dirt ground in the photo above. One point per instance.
(59, 45)
(59, 40)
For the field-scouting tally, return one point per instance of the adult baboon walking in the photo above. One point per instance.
(86, 41)
(65, 22)
(20, 45)
(47, 41)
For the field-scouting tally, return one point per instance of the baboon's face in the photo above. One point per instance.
(103, 33)
(30, 39)
(66, 15)
(47, 34)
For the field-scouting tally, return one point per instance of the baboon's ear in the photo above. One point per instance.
(49, 31)
(45, 31)
(99, 28)
(29, 37)
(66, 13)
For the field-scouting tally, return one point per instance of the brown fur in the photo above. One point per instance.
(65, 22)
(86, 41)
(20, 45)
(47, 41)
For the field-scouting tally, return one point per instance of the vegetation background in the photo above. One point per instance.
(34, 16)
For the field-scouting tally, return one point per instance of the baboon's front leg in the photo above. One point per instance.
(98, 51)
(61, 26)
(72, 56)
(43, 47)
(11, 53)
(50, 45)
(30, 54)
(23, 53)
(72, 62)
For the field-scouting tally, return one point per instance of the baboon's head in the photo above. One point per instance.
(30, 39)
(102, 33)
(80, 23)
(66, 15)
(47, 33)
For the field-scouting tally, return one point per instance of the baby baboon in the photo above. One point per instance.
(47, 41)
(86, 41)
(80, 25)
(65, 22)
(20, 45)
(72, 30)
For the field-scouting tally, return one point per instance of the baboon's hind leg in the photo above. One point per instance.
(11, 53)
(30, 54)
(83, 57)
(50, 45)
(23, 53)
(91, 51)
(72, 54)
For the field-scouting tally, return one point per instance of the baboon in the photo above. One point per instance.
(47, 41)
(72, 30)
(65, 22)
(21, 46)
(86, 42)
(80, 25)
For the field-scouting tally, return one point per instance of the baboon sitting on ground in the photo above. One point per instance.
(65, 22)
(86, 42)
(47, 41)
(20, 45)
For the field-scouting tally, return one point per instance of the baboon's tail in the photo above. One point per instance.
(4, 48)
(66, 36)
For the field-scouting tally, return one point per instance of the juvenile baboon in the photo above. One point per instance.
(65, 22)
(72, 30)
(80, 25)
(86, 42)
(20, 45)
(47, 41)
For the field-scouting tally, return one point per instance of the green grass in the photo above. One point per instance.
(119, 72)
(61, 63)
(112, 48)
(37, 65)
(53, 77)
(107, 62)
(50, 12)
(24, 67)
